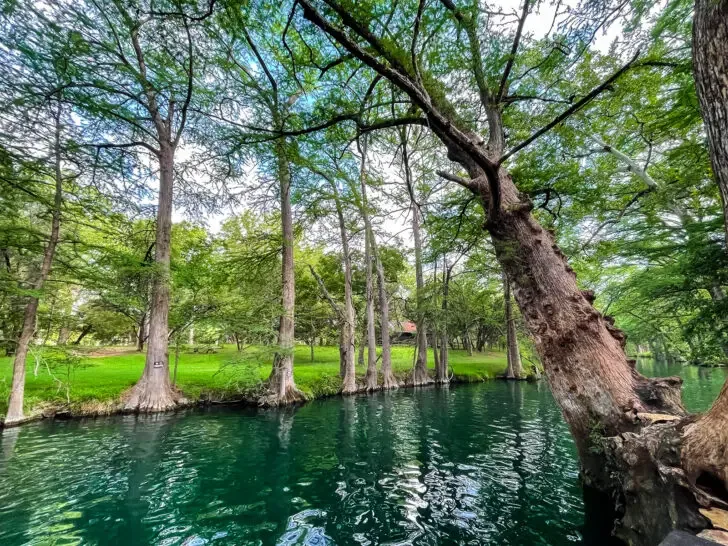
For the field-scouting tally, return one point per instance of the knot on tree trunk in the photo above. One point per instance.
(660, 394)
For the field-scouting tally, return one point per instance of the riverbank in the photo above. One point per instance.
(85, 385)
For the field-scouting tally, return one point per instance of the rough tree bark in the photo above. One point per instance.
(710, 65)
(15, 413)
(281, 388)
(705, 442)
(515, 367)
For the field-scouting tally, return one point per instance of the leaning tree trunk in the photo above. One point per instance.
(609, 407)
(388, 379)
(17, 390)
(153, 392)
(625, 448)
(515, 367)
(281, 388)
(705, 443)
(710, 65)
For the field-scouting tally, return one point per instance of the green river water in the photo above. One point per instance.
(489, 463)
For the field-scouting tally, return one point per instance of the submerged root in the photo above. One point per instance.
(151, 397)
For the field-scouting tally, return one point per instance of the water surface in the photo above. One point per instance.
(478, 464)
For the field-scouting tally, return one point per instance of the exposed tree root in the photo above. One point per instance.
(420, 377)
(274, 398)
(150, 397)
(389, 381)
(371, 381)
(280, 389)
(349, 386)
(650, 482)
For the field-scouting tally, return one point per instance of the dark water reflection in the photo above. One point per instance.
(479, 464)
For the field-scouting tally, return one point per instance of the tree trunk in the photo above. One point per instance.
(710, 64)
(388, 379)
(140, 333)
(63, 333)
(371, 374)
(705, 443)
(86, 330)
(718, 295)
(420, 376)
(17, 390)
(362, 344)
(513, 355)
(176, 360)
(435, 351)
(281, 388)
(153, 392)
(419, 372)
(467, 345)
(348, 321)
(441, 367)
(313, 342)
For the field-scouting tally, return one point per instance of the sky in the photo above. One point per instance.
(537, 25)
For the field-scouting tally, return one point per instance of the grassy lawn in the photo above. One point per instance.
(100, 380)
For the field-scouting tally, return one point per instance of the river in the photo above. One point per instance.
(487, 463)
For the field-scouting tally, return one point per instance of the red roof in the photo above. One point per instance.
(409, 327)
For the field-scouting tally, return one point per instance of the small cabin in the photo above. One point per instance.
(404, 332)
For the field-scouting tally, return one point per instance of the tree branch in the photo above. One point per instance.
(570, 111)
(512, 57)
(464, 182)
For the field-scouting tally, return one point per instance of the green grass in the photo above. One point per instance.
(97, 382)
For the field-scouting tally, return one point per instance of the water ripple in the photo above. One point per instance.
(481, 464)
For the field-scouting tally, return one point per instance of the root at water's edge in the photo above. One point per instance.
(651, 492)
(151, 397)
